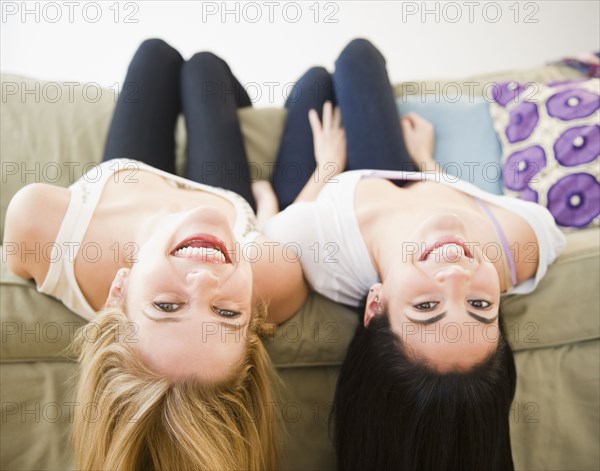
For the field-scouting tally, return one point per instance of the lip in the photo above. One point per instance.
(445, 241)
(206, 241)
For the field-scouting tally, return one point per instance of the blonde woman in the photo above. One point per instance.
(173, 372)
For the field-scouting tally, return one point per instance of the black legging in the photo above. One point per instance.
(361, 88)
(158, 86)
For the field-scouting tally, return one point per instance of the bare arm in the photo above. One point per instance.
(278, 274)
(33, 219)
(267, 205)
(278, 279)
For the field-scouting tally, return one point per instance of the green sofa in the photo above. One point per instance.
(555, 331)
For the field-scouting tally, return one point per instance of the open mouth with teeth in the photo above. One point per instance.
(203, 248)
(454, 246)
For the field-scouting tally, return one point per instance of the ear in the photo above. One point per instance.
(374, 305)
(116, 294)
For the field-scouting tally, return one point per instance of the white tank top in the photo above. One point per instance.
(326, 235)
(60, 281)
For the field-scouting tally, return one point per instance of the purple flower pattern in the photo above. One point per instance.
(505, 92)
(578, 145)
(521, 166)
(571, 104)
(523, 120)
(574, 200)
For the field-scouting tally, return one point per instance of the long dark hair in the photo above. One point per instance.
(392, 411)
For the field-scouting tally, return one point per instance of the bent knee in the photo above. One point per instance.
(160, 50)
(205, 60)
(358, 51)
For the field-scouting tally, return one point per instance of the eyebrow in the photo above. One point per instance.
(439, 317)
(482, 319)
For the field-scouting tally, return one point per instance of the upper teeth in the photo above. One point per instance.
(203, 252)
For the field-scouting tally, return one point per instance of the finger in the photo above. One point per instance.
(327, 112)
(337, 117)
(406, 126)
(315, 122)
(408, 121)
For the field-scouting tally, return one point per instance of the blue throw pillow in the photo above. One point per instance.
(466, 144)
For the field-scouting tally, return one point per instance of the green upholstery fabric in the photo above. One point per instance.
(555, 331)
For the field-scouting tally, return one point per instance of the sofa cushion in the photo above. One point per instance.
(555, 419)
(564, 307)
(482, 85)
(466, 144)
(38, 406)
(551, 145)
(35, 327)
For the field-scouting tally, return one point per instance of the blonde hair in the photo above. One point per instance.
(130, 418)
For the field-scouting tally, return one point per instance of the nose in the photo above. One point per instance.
(202, 278)
(453, 272)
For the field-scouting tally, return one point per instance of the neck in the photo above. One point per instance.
(389, 240)
(144, 227)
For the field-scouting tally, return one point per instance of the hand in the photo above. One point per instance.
(329, 140)
(419, 139)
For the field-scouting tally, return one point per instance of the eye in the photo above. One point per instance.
(480, 303)
(426, 306)
(226, 313)
(166, 307)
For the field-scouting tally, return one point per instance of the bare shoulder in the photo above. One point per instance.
(278, 279)
(522, 241)
(33, 218)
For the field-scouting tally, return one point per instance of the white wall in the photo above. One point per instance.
(89, 43)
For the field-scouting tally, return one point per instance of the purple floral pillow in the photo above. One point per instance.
(550, 137)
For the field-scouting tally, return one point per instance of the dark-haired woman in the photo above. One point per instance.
(429, 379)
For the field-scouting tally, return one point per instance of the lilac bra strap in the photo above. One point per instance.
(503, 241)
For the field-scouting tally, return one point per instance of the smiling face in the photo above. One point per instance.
(442, 301)
(190, 297)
